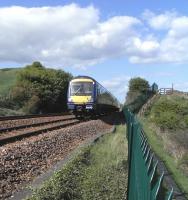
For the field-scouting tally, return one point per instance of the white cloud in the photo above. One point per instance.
(64, 35)
(171, 46)
(76, 36)
(160, 22)
(43, 33)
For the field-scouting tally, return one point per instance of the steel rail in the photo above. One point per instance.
(5, 118)
(32, 125)
(26, 134)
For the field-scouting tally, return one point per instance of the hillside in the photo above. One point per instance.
(37, 90)
(7, 79)
(166, 126)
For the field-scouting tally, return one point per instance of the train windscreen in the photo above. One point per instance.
(81, 88)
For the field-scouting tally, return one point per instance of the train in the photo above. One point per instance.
(88, 97)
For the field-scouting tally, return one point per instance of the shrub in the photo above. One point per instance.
(41, 89)
(170, 113)
(138, 94)
(138, 84)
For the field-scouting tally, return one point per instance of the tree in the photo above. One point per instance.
(139, 92)
(40, 89)
(138, 84)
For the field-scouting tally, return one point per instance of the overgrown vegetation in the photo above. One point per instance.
(7, 80)
(167, 130)
(36, 89)
(138, 94)
(98, 172)
(170, 112)
(8, 112)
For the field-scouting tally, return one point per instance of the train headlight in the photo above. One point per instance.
(89, 107)
(69, 99)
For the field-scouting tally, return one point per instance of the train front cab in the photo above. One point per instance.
(81, 95)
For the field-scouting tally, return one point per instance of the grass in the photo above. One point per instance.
(7, 79)
(158, 148)
(166, 128)
(8, 112)
(97, 172)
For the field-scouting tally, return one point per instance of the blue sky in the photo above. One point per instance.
(111, 41)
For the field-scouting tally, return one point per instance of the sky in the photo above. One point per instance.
(111, 41)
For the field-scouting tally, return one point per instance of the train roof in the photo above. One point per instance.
(86, 77)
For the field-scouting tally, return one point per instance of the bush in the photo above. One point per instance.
(170, 113)
(32, 105)
(135, 101)
(167, 120)
(39, 89)
(139, 92)
(138, 84)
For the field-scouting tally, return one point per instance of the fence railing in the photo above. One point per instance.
(164, 91)
(144, 183)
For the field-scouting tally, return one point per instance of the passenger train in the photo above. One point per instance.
(87, 97)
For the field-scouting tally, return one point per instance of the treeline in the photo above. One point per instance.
(39, 90)
(43, 90)
(139, 92)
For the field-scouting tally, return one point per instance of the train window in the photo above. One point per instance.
(88, 88)
(81, 88)
(101, 90)
(98, 89)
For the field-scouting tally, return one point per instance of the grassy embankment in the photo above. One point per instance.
(7, 80)
(166, 126)
(97, 172)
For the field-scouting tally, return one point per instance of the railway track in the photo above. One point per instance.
(22, 161)
(5, 118)
(18, 132)
(32, 125)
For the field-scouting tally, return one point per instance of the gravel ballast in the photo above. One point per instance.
(23, 160)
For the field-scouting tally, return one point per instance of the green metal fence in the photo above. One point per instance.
(144, 183)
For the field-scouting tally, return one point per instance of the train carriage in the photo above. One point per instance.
(86, 96)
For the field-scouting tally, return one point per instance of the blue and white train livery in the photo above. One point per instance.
(87, 96)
